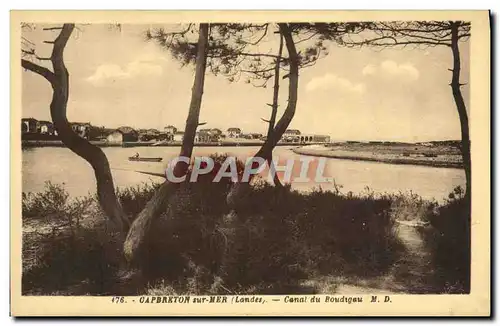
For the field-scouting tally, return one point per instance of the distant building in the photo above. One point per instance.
(179, 136)
(313, 138)
(322, 139)
(29, 125)
(81, 128)
(163, 136)
(291, 136)
(216, 131)
(296, 137)
(234, 132)
(291, 132)
(46, 127)
(203, 136)
(153, 131)
(123, 134)
(208, 135)
(148, 134)
(255, 135)
(170, 129)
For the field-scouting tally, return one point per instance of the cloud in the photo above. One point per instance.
(331, 81)
(392, 69)
(141, 67)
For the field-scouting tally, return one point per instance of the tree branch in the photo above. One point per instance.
(260, 38)
(52, 28)
(42, 71)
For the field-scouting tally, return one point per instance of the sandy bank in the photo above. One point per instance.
(444, 160)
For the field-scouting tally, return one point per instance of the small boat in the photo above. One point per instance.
(145, 159)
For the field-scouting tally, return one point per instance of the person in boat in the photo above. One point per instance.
(136, 155)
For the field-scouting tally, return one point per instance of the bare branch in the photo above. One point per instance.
(307, 38)
(52, 28)
(258, 55)
(42, 71)
(31, 52)
(260, 38)
(26, 40)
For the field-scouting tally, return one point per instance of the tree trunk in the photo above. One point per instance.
(274, 107)
(140, 226)
(276, 89)
(461, 108)
(289, 113)
(464, 125)
(59, 80)
(267, 148)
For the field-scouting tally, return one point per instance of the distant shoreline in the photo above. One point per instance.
(444, 157)
(58, 143)
(379, 157)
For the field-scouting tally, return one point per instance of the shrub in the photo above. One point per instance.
(53, 205)
(276, 239)
(67, 248)
(449, 242)
(411, 207)
(81, 261)
(133, 199)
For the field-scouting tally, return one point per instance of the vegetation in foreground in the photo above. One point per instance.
(279, 241)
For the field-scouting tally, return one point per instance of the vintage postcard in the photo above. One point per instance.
(225, 163)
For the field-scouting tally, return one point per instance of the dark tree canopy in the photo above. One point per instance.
(406, 34)
(250, 50)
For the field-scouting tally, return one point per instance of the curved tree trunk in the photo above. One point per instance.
(59, 79)
(140, 226)
(461, 108)
(464, 127)
(267, 148)
(274, 107)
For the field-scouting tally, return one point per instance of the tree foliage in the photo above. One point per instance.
(249, 51)
(415, 34)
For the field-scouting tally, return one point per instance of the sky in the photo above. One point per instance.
(119, 79)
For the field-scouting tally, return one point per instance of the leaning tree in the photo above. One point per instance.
(135, 232)
(254, 52)
(424, 34)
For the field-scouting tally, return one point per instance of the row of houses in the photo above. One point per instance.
(289, 136)
(42, 127)
(295, 136)
(169, 133)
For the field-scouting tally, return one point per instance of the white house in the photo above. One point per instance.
(170, 129)
(46, 127)
(123, 134)
(234, 132)
(312, 138)
(116, 137)
(179, 136)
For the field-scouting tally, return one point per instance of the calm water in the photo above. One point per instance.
(60, 165)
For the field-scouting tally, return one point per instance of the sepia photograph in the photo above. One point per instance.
(250, 161)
